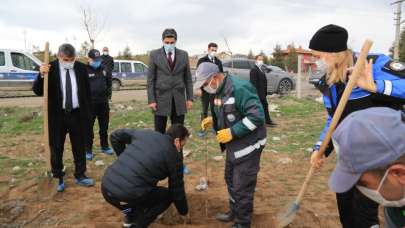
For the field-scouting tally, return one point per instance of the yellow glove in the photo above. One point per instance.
(224, 136)
(206, 123)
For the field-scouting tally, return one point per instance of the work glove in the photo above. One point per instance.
(206, 123)
(224, 136)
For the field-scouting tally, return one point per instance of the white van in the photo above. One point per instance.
(127, 72)
(18, 68)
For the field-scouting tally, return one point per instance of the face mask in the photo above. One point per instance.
(259, 62)
(95, 64)
(376, 196)
(209, 89)
(67, 65)
(169, 47)
(105, 53)
(212, 54)
(321, 65)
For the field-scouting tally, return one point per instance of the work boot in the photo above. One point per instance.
(237, 225)
(225, 217)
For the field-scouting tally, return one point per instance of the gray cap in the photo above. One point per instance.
(366, 140)
(204, 71)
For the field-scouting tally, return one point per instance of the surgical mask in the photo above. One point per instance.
(209, 89)
(67, 65)
(95, 64)
(169, 47)
(212, 54)
(376, 196)
(259, 63)
(105, 53)
(321, 65)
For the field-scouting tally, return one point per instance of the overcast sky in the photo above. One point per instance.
(247, 24)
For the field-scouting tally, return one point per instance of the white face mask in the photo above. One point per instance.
(259, 62)
(376, 196)
(212, 54)
(209, 89)
(105, 53)
(67, 65)
(321, 65)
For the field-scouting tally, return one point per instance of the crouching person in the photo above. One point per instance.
(144, 158)
(371, 148)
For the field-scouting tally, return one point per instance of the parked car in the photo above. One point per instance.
(278, 80)
(128, 72)
(18, 68)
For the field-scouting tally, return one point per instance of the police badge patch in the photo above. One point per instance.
(395, 68)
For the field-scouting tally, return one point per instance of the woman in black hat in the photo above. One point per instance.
(380, 84)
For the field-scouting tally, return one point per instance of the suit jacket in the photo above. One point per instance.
(55, 99)
(207, 59)
(259, 81)
(165, 85)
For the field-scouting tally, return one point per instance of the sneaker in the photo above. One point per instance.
(85, 181)
(61, 187)
(89, 156)
(107, 150)
(186, 171)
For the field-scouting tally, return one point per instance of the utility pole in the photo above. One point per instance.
(398, 23)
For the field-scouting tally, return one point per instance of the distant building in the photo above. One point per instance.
(308, 63)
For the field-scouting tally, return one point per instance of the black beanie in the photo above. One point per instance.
(330, 38)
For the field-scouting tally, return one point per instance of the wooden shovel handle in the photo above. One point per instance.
(358, 68)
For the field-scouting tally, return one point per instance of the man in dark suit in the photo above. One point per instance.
(259, 81)
(69, 103)
(207, 100)
(170, 87)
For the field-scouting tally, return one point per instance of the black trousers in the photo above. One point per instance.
(266, 110)
(241, 179)
(161, 121)
(70, 124)
(356, 210)
(207, 101)
(101, 112)
(144, 209)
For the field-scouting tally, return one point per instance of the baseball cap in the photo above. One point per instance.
(204, 72)
(366, 140)
(94, 54)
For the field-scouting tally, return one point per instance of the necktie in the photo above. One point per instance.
(68, 102)
(170, 60)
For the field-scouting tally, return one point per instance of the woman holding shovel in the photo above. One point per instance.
(381, 84)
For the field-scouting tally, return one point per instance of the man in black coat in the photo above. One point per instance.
(207, 100)
(146, 157)
(108, 63)
(259, 81)
(100, 86)
(69, 105)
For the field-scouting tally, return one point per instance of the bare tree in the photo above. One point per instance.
(91, 23)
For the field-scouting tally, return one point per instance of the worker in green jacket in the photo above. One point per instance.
(241, 128)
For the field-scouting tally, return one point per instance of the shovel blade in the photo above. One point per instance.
(286, 216)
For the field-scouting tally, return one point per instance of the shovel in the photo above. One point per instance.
(285, 217)
(203, 183)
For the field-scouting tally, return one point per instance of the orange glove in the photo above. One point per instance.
(224, 136)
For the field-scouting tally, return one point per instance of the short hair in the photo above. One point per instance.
(67, 50)
(380, 171)
(257, 56)
(212, 45)
(169, 33)
(178, 131)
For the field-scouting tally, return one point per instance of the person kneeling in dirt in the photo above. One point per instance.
(371, 148)
(242, 129)
(144, 158)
